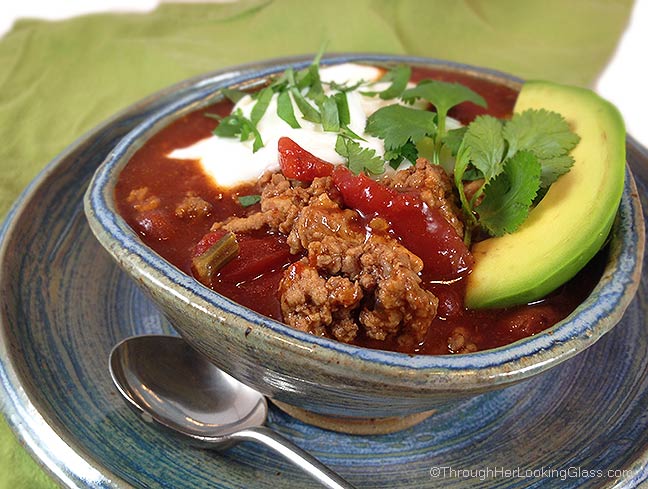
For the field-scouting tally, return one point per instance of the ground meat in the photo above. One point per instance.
(142, 200)
(281, 202)
(384, 272)
(354, 278)
(459, 341)
(400, 305)
(434, 187)
(192, 206)
(312, 303)
(323, 218)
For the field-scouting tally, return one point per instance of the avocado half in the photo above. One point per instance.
(571, 223)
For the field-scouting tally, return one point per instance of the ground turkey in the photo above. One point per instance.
(354, 279)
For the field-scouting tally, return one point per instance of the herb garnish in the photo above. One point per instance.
(359, 159)
(511, 163)
(402, 128)
(248, 200)
(517, 160)
(237, 125)
(399, 77)
(443, 96)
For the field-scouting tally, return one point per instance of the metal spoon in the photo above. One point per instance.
(164, 378)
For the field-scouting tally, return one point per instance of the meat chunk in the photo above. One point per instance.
(399, 303)
(323, 218)
(192, 206)
(281, 202)
(142, 200)
(393, 302)
(311, 303)
(459, 341)
(434, 187)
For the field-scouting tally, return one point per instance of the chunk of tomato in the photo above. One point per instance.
(421, 229)
(298, 164)
(258, 255)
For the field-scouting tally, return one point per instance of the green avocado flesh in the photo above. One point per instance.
(571, 223)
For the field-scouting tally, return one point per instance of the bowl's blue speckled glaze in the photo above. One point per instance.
(324, 376)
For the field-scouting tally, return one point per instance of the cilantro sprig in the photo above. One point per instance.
(443, 96)
(404, 128)
(517, 160)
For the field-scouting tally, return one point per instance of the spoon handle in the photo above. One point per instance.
(293, 453)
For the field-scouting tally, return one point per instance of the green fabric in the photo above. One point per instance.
(59, 79)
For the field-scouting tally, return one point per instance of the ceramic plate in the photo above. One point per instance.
(64, 304)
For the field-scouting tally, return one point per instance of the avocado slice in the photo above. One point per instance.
(571, 223)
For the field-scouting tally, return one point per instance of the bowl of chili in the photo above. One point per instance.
(365, 384)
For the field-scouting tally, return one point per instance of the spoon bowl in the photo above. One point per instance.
(168, 382)
(182, 390)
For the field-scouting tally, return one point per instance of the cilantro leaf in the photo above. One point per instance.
(453, 139)
(302, 79)
(472, 174)
(508, 197)
(444, 96)
(263, 99)
(547, 135)
(344, 87)
(552, 168)
(229, 126)
(408, 152)
(248, 200)
(236, 124)
(285, 110)
(282, 81)
(397, 125)
(359, 159)
(484, 137)
(309, 112)
(346, 132)
(343, 108)
(315, 89)
(399, 77)
(329, 114)
(461, 165)
(233, 95)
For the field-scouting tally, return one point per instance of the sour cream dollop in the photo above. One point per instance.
(230, 162)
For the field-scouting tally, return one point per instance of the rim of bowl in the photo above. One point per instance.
(515, 361)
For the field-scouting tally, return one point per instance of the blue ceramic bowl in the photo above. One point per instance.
(320, 380)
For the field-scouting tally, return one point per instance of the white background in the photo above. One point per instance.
(624, 82)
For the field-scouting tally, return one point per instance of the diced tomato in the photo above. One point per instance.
(421, 229)
(259, 254)
(298, 164)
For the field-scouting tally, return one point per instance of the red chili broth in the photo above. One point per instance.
(253, 277)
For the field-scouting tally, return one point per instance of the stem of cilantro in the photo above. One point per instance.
(463, 158)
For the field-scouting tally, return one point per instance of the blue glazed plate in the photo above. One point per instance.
(64, 304)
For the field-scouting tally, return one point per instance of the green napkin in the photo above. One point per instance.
(59, 79)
